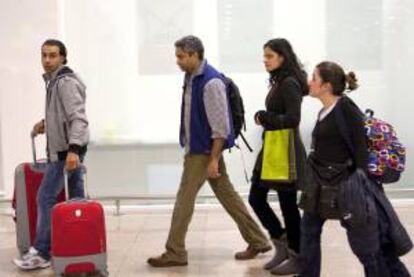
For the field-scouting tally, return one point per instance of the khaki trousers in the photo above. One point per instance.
(193, 177)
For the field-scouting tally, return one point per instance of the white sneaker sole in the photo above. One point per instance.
(20, 264)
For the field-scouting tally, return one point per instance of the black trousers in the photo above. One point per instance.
(269, 220)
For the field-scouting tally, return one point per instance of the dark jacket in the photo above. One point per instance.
(347, 124)
(363, 200)
(350, 121)
(283, 110)
(323, 180)
(365, 204)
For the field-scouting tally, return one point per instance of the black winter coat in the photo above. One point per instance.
(283, 110)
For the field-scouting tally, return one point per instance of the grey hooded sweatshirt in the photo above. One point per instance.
(66, 124)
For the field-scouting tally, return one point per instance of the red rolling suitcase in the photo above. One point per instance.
(78, 236)
(27, 180)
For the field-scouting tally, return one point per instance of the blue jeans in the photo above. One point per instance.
(52, 185)
(310, 252)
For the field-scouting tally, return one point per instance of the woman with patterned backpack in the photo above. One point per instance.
(339, 185)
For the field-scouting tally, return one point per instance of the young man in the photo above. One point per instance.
(67, 135)
(205, 131)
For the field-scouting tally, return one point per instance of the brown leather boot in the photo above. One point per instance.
(251, 253)
(164, 261)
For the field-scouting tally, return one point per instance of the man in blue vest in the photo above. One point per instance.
(205, 131)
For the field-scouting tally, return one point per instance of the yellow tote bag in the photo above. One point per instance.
(279, 163)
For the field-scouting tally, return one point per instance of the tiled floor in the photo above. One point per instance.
(212, 240)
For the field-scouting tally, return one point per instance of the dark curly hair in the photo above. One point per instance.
(291, 65)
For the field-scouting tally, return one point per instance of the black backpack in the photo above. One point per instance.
(237, 110)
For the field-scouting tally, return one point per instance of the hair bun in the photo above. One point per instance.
(352, 81)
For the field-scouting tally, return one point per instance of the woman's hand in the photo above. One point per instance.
(257, 118)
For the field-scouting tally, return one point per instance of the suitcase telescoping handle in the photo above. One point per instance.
(85, 181)
(32, 137)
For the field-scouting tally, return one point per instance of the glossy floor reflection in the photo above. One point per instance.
(212, 240)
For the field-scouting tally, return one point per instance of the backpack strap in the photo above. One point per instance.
(245, 142)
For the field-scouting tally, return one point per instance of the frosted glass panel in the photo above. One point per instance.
(355, 32)
(242, 33)
(160, 23)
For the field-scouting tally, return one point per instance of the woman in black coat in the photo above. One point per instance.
(288, 84)
(330, 166)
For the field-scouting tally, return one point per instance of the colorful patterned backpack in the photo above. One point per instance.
(386, 153)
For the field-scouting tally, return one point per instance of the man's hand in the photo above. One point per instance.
(213, 160)
(213, 169)
(72, 161)
(39, 128)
